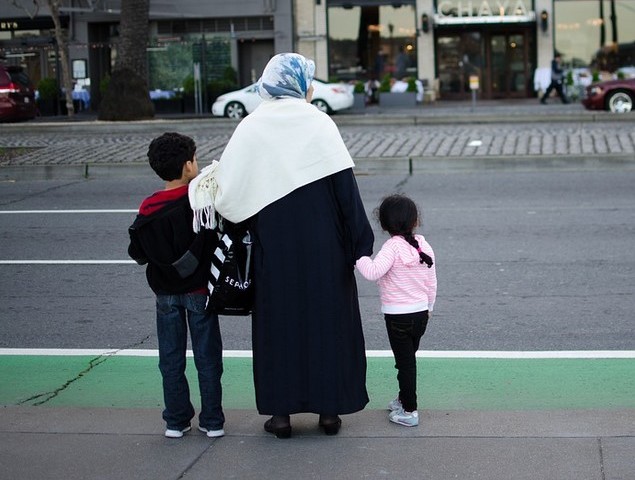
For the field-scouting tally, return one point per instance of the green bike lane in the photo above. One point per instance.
(462, 383)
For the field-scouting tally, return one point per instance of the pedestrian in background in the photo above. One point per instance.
(178, 264)
(287, 171)
(557, 76)
(406, 275)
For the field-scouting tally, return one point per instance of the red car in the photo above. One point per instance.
(614, 95)
(17, 95)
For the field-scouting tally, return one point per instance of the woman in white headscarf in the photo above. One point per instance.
(286, 170)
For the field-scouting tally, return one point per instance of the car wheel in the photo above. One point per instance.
(619, 102)
(322, 105)
(235, 110)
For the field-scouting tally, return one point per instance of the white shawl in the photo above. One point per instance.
(284, 144)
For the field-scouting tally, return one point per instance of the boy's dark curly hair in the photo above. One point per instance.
(399, 215)
(168, 153)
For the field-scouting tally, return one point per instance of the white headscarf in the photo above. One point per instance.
(284, 144)
(287, 75)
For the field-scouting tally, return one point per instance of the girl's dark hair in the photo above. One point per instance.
(168, 153)
(398, 215)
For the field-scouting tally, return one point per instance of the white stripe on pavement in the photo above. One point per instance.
(26, 212)
(66, 262)
(558, 354)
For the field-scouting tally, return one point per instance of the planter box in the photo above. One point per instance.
(405, 99)
(359, 102)
(168, 105)
(46, 107)
(189, 104)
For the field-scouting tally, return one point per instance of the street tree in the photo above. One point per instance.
(127, 97)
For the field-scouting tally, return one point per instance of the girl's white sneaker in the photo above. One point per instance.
(401, 417)
(395, 405)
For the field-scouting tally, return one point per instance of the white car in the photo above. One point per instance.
(328, 97)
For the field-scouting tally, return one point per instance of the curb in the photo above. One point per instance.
(363, 166)
(350, 119)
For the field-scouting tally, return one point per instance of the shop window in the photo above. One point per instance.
(193, 26)
(372, 41)
(596, 34)
(171, 64)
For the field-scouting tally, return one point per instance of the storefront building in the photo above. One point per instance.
(214, 33)
(501, 42)
(443, 42)
(448, 40)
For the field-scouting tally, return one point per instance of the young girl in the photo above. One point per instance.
(405, 272)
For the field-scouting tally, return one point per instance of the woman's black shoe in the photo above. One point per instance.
(279, 425)
(330, 423)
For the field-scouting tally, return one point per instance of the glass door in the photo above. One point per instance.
(448, 59)
(509, 65)
(459, 56)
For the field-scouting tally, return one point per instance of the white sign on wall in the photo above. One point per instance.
(482, 11)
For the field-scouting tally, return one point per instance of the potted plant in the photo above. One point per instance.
(359, 95)
(384, 85)
(189, 102)
(388, 98)
(48, 93)
(412, 85)
(571, 91)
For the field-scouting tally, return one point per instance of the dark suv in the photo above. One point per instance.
(17, 95)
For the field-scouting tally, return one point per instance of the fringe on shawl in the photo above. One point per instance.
(201, 193)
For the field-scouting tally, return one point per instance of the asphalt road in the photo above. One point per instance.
(534, 256)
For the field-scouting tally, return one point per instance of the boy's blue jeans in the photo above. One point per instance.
(174, 314)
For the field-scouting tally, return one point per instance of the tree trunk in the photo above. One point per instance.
(127, 97)
(62, 48)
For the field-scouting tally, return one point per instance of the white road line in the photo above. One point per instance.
(66, 262)
(508, 355)
(25, 212)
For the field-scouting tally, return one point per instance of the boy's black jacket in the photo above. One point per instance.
(178, 259)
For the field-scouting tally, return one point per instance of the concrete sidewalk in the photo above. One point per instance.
(81, 443)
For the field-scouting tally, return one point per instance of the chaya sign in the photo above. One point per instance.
(485, 11)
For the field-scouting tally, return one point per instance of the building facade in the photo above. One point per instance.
(216, 34)
(501, 43)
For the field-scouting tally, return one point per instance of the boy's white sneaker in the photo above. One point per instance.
(395, 405)
(176, 433)
(407, 419)
(212, 433)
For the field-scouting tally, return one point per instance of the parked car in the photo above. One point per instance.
(328, 97)
(17, 95)
(614, 95)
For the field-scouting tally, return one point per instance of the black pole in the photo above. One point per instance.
(204, 75)
(613, 22)
(602, 26)
(57, 79)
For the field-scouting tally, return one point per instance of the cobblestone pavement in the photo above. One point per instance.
(98, 143)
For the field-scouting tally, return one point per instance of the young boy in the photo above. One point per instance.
(178, 263)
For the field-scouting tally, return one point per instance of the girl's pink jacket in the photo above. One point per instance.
(405, 285)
